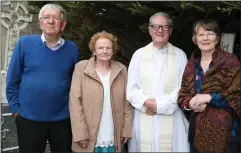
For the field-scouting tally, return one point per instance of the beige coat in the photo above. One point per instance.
(86, 100)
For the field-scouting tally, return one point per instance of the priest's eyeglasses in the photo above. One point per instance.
(157, 27)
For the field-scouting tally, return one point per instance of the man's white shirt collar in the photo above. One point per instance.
(163, 49)
(59, 43)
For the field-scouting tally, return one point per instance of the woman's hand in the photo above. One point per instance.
(200, 108)
(199, 100)
(84, 143)
(124, 139)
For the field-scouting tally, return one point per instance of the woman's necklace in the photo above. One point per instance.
(205, 65)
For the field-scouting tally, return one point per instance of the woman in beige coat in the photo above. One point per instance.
(101, 118)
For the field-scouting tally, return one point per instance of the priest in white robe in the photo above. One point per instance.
(154, 79)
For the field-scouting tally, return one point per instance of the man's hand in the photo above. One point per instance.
(150, 113)
(15, 115)
(84, 143)
(151, 105)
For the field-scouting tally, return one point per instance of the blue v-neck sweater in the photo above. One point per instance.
(39, 79)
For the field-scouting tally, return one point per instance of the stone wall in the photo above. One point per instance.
(16, 21)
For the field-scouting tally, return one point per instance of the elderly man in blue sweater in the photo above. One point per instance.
(38, 84)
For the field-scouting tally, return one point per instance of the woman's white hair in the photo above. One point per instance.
(53, 6)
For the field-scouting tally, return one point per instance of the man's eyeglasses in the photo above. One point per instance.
(47, 18)
(157, 27)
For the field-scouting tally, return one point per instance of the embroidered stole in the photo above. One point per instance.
(147, 139)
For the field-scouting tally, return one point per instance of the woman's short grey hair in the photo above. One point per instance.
(53, 6)
(208, 25)
(170, 21)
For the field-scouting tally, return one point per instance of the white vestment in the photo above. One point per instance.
(166, 103)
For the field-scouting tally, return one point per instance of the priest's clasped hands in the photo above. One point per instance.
(151, 107)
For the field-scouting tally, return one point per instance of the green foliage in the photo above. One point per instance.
(188, 5)
(232, 5)
(129, 20)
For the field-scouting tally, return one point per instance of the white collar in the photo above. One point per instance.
(163, 49)
(59, 42)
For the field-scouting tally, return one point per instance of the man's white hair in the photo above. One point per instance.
(53, 6)
(170, 21)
